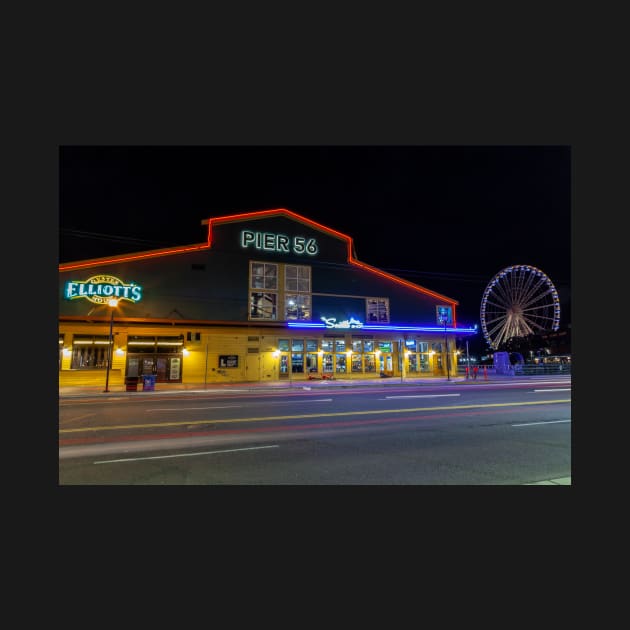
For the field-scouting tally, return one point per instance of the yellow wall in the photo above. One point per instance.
(201, 364)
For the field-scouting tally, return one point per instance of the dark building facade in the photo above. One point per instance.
(270, 295)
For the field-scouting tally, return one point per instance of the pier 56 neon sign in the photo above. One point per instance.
(100, 289)
(279, 243)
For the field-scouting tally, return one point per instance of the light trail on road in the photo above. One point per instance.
(310, 415)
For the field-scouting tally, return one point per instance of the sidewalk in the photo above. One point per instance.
(562, 481)
(253, 386)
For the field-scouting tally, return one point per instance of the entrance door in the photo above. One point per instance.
(252, 367)
(161, 370)
(147, 365)
(386, 364)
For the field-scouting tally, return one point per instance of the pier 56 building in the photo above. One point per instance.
(269, 295)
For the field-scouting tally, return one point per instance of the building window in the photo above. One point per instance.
(327, 345)
(385, 346)
(262, 305)
(297, 287)
(369, 363)
(283, 345)
(297, 307)
(291, 293)
(311, 345)
(377, 310)
(312, 363)
(297, 279)
(169, 345)
(89, 352)
(264, 276)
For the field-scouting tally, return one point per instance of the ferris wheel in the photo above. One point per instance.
(520, 300)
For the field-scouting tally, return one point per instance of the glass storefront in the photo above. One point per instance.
(161, 356)
(356, 355)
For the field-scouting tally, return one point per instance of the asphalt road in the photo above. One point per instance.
(497, 434)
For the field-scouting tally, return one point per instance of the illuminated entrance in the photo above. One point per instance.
(161, 356)
(384, 352)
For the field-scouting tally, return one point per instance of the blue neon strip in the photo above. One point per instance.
(439, 329)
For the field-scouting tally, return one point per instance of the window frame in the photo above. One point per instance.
(381, 310)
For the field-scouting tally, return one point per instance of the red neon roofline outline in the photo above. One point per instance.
(258, 214)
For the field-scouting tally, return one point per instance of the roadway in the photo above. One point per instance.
(442, 433)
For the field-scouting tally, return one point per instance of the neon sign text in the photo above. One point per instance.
(279, 243)
(100, 289)
(331, 322)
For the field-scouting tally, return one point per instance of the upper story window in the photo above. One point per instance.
(263, 304)
(297, 279)
(297, 296)
(264, 276)
(279, 291)
(377, 310)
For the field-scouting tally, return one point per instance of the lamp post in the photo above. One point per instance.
(448, 363)
(467, 357)
(113, 303)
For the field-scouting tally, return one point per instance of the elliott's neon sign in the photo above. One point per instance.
(100, 289)
(279, 243)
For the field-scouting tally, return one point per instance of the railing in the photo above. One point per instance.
(527, 369)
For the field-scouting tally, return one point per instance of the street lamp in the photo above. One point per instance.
(113, 303)
(467, 357)
(448, 363)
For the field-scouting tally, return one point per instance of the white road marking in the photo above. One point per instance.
(187, 408)
(292, 402)
(529, 424)
(229, 450)
(281, 402)
(421, 396)
(85, 415)
(566, 389)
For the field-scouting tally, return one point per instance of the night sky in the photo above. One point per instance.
(446, 217)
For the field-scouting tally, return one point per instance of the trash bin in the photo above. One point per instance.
(131, 383)
(148, 382)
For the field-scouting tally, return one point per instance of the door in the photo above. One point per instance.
(252, 367)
